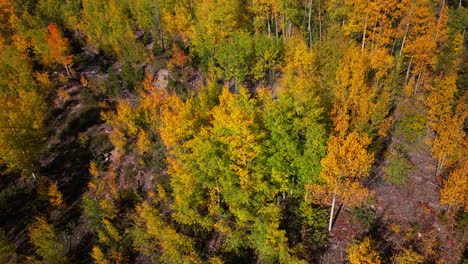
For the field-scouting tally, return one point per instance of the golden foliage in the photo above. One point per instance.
(93, 169)
(455, 190)
(55, 196)
(409, 256)
(346, 164)
(98, 256)
(362, 253)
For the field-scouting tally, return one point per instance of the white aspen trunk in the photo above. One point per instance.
(439, 166)
(276, 27)
(330, 223)
(309, 28)
(407, 29)
(320, 22)
(235, 87)
(269, 29)
(417, 82)
(66, 68)
(438, 21)
(408, 70)
(364, 34)
(284, 27)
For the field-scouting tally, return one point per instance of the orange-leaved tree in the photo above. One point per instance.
(58, 47)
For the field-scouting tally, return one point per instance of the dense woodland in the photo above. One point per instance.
(233, 131)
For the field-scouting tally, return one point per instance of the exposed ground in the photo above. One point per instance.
(407, 216)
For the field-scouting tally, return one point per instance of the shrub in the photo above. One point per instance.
(365, 215)
(412, 126)
(397, 168)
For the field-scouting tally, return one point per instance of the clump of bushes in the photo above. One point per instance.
(398, 166)
(412, 126)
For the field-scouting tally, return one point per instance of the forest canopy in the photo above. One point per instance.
(233, 131)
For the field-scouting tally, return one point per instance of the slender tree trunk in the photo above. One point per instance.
(407, 29)
(309, 28)
(161, 35)
(330, 223)
(439, 166)
(268, 22)
(12, 128)
(320, 22)
(417, 82)
(162, 40)
(284, 27)
(66, 68)
(276, 27)
(364, 34)
(438, 21)
(235, 85)
(408, 70)
(393, 47)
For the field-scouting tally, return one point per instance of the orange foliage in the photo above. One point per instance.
(58, 46)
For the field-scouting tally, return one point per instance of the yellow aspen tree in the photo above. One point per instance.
(185, 135)
(423, 36)
(46, 242)
(362, 253)
(22, 133)
(179, 20)
(55, 196)
(98, 256)
(218, 19)
(234, 124)
(370, 20)
(180, 135)
(352, 91)
(158, 239)
(346, 163)
(137, 122)
(447, 147)
(266, 13)
(455, 189)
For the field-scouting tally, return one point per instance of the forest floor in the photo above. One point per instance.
(407, 216)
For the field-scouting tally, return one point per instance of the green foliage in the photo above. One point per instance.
(65, 12)
(111, 30)
(365, 215)
(131, 75)
(397, 168)
(461, 218)
(22, 132)
(15, 71)
(8, 194)
(7, 249)
(97, 210)
(267, 55)
(48, 245)
(412, 126)
(234, 174)
(234, 57)
(153, 237)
